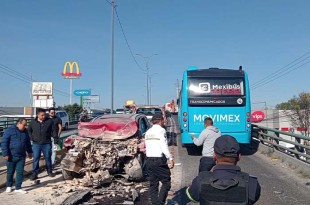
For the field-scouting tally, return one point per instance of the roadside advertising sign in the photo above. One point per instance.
(42, 88)
(82, 92)
(71, 74)
(92, 99)
(258, 116)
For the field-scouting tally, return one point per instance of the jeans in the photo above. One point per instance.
(158, 171)
(15, 164)
(206, 164)
(47, 153)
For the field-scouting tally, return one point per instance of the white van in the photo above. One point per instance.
(64, 118)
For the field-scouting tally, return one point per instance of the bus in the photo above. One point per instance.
(221, 94)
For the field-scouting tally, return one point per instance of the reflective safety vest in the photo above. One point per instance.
(233, 191)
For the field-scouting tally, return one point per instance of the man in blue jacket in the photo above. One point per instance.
(15, 144)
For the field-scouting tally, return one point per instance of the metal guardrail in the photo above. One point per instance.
(298, 146)
(9, 121)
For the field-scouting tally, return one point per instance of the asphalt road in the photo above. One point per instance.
(279, 185)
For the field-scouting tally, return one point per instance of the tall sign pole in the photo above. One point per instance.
(71, 74)
(71, 91)
(112, 59)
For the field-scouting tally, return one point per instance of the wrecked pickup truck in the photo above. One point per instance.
(109, 145)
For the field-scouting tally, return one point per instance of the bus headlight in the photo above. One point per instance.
(248, 125)
(184, 125)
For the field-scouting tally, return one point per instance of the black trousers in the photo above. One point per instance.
(172, 138)
(206, 164)
(158, 171)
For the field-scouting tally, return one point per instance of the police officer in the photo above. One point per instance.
(226, 183)
(157, 153)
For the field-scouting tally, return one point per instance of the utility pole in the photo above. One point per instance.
(146, 60)
(150, 91)
(112, 58)
(178, 88)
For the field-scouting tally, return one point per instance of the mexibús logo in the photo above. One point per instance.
(205, 87)
(218, 118)
(227, 86)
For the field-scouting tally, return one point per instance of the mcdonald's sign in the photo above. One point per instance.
(71, 73)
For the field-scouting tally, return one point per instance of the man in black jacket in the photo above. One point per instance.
(41, 131)
(58, 126)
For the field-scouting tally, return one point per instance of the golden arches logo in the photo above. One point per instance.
(71, 73)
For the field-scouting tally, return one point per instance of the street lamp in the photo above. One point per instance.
(147, 69)
(151, 86)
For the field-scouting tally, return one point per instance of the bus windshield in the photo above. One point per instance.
(207, 87)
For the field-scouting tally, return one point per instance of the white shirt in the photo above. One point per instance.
(156, 142)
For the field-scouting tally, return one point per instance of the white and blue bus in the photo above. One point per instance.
(221, 94)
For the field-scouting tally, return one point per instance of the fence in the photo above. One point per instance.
(6, 122)
(293, 144)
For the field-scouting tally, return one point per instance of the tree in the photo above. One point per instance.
(298, 110)
(72, 110)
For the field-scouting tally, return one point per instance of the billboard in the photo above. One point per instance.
(91, 99)
(42, 88)
(43, 103)
(71, 74)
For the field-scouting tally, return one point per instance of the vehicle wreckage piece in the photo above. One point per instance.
(97, 157)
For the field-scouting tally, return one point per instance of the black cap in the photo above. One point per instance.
(157, 116)
(227, 146)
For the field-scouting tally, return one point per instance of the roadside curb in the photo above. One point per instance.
(290, 161)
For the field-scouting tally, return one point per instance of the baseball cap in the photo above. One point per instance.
(227, 146)
(157, 116)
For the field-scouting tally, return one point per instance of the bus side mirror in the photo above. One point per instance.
(178, 100)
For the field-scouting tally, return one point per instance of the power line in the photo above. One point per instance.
(14, 71)
(26, 79)
(127, 43)
(284, 71)
(108, 2)
(280, 75)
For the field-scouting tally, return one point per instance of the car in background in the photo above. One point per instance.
(107, 145)
(63, 115)
(120, 111)
(149, 111)
(93, 113)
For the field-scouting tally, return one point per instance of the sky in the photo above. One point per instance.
(37, 38)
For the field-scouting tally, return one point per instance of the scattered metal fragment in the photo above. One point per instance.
(76, 198)
(126, 202)
(124, 183)
(135, 195)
